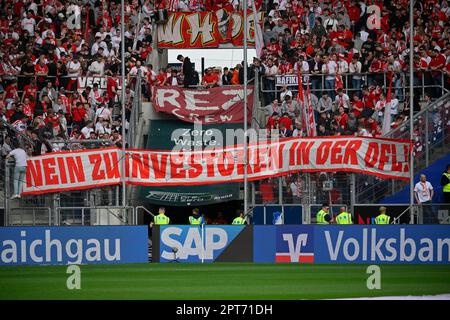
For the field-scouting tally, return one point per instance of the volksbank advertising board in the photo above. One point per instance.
(393, 244)
(73, 245)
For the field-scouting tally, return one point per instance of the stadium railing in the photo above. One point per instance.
(400, 87)
(431, 141)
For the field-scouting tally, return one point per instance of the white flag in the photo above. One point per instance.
(259, 43)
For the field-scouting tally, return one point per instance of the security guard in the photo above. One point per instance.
(161, 218)
(344, 217)
(240, 219)
(445, 183)
(323, 217)
(382, 218)
(196, 218)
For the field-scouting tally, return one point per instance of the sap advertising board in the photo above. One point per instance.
(394, 244)
(195, 244)
(73, 245)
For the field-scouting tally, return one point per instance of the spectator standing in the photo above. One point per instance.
(423, 192)
(188, 70)
(20, 157)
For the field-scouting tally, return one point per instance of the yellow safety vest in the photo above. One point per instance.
(161, 219)
(382, 219)
(238, 220)
(446, 188)
(321, 217)
(344, 218)
(193, 220)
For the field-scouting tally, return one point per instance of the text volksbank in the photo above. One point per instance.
(73, 245)
(382, 244)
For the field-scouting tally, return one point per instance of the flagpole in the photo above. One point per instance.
(245, 109)
(411, 107)
(122, 97)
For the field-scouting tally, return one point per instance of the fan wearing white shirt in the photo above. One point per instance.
(86, 131)
(28, 23)
(423, 193)
(20, 169)
(97, 67)
(329, 68)
(342, 100)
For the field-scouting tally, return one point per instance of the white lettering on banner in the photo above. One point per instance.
(54, 250)
(167, 96)
(237, 24)
(214, 105)
(294, 252)
(203, 29)
(407, 249)
(192, 103)
(215, 239)
(170, 32)
(238, 96)
(189, 165)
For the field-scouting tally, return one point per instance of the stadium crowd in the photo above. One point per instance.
(46, 47)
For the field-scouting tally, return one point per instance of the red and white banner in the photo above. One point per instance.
(209, 106)
(386, 158)
(222, 28)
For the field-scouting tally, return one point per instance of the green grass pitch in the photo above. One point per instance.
(221, 281)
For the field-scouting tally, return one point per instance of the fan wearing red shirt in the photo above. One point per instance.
(28, 108)
(30, 90)
(272, 122)
(353, 13)
(78, 115)
(210, 79)
(111, 87)
(161, 78)
(357, 105)
(53, 119)
(286, 121)
(266, 188)
(342, 119)
(11, 91)
(41, 69)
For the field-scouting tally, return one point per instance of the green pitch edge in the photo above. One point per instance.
(221, 281)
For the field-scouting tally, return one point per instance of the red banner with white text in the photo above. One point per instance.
(213, 29)
(386, 158)
(209, 106)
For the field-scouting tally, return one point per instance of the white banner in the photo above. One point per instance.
(386, 158)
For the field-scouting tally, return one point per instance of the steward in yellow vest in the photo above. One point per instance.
(240, 219)
(344, 217)
(382, 218)
(161, 218)
(445, 183)
(196, 218)
(323, 217)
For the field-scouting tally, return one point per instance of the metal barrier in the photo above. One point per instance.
(431, 141)
(433, 213)
(399, 86)
(102, 215)
(32, 218)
